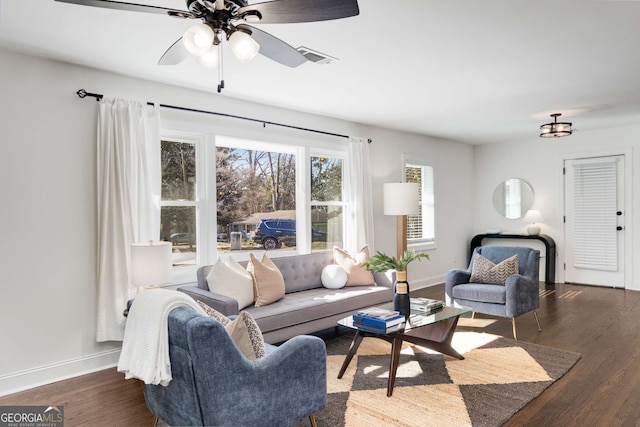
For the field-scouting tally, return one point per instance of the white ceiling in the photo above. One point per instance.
(476, 71)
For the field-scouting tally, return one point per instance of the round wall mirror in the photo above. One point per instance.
(513, 197)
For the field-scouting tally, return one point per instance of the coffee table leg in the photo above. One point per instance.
(393, 365)
(357, 339)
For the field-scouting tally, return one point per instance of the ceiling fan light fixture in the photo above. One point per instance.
(210, 58)
(555, 129)
(243, 46)
(198, 39)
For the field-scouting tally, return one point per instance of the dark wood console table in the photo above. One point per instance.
(549, 243)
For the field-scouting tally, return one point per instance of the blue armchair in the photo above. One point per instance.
(213, 384)
(518, 296)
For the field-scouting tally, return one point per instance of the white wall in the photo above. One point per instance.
(48, 214)
(539, 161)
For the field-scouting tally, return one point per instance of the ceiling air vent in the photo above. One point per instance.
(315, 56)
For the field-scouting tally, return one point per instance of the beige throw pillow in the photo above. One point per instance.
(243, 330)
(356, 274)
(485, 271)
(231, 280)
(268, 283)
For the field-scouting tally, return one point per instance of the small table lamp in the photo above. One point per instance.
(533, 216)
(401, 199)
(151, 264)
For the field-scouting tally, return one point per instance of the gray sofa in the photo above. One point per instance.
(307, 306)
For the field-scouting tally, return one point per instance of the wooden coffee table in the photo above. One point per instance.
(433, 331)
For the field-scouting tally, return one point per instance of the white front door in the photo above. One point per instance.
(594, 221)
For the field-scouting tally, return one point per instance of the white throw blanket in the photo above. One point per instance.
(145, 349)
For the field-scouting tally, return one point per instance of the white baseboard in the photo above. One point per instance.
(47, 374)
(426, 282)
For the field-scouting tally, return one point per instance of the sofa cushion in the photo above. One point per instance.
(307, 306)
(231, 280)
(268, 283)
(485, 271)
(356, 274)
(333, 276)
(243, 330)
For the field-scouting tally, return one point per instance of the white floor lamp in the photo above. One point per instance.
(401, 199)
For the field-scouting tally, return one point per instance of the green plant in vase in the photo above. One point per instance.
(381, 263)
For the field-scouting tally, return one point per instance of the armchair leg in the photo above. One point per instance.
(535, 313)
(513, 324)
(312, 419)
(155, 421)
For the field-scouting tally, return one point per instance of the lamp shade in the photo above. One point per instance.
(151, 263)
(401, 198)
(532, 216)
(243, 46)
(198, 39)
(211, 57)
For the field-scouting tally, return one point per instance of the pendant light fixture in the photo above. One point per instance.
(555, 129)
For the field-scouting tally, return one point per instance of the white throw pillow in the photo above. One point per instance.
(333, 276)
(231, 280)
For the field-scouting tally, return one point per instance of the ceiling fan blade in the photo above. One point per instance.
(132, 7)
(292, 11)
(274, 48)
(175, 54)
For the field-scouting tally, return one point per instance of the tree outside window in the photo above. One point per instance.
(253, 186)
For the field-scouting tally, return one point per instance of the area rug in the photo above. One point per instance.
(497, 378)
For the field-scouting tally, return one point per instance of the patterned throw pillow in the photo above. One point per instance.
(215, 314)
(485, 271)
(268, 283)
(243, 330)
(231, 280)
(356, 274)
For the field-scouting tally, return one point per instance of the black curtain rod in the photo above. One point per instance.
(83, 94)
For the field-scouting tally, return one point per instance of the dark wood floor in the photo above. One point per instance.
(603, 389)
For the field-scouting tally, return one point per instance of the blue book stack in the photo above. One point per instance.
(378, 318)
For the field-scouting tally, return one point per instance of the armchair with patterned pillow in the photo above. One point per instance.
(500, 281)
(218, 382)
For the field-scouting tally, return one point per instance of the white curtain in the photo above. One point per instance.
(128, 168)
(361, 196)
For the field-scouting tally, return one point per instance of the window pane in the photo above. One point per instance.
(326, 179)
(414, 222)
(255, 198)
(178, 226)
(326, 227)
(422, 225)
(178, 160)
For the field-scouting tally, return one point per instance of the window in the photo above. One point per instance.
(327, 207)
(178, 206)
(255, 199)
(421, 227)
(230, 195)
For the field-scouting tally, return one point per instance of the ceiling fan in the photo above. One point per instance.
(228, 20)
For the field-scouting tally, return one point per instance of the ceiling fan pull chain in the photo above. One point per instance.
(220, 68)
